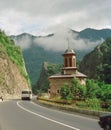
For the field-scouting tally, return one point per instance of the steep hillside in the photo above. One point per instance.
(97, 64)
(35, 53)
(13, 75)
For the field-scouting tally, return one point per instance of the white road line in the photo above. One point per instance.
(74, 128)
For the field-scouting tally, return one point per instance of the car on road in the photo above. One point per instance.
(105, 121)
(26, 94)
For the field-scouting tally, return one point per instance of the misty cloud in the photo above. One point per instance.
(24, 42)
(64, 36)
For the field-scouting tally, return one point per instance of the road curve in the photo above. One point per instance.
(26, 115)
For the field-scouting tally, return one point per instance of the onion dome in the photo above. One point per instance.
(69, 50)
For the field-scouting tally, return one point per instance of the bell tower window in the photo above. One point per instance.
(70, 62)
(66, 64)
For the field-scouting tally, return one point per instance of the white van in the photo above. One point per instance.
(26, 94)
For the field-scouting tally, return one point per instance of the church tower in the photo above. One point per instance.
(69, 62)
(68, 72)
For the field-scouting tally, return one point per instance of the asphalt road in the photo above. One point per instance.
(25, 115)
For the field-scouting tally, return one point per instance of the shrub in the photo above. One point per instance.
(66, 93)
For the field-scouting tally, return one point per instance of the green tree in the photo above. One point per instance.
(75, 91)
(66, 93)
(105, 91)
(78, 89)
(91, 89)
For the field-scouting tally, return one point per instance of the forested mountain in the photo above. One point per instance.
(13, 75)
(94, 34)
(36, 52)
(97, 64)
(48, 69)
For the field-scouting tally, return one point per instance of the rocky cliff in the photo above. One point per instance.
(13, 76)
(48, 69)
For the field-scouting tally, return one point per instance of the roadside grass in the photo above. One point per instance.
(87, 104)
(80, 107)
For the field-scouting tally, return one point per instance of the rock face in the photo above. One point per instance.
(12, 80)
(48, 69)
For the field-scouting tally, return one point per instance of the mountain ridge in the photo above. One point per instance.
(35, 53)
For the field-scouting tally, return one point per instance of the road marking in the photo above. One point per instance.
(44, 117)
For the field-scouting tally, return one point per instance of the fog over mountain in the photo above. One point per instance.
(58, 41)
(64, 36)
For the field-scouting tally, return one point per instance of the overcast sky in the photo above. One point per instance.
(39, 17)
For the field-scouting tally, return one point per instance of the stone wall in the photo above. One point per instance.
(57, 83)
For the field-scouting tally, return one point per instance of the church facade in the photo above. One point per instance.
(68, 72)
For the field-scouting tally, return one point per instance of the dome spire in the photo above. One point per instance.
(68, 42)
(69, 50)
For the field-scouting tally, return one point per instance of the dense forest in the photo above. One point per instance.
(97, 64)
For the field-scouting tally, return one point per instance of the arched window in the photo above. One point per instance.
(66, 64)
(70, 62)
